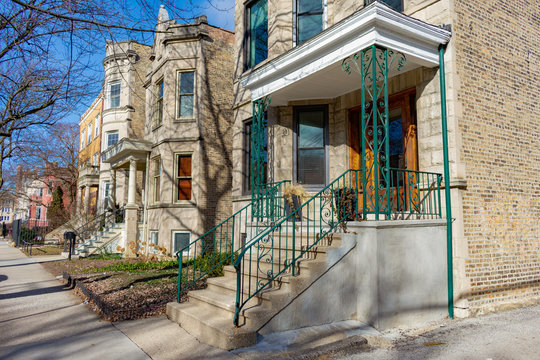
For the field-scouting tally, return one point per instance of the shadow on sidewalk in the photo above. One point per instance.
(35, 292)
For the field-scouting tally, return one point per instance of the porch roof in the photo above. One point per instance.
(313, 69)
(119, 154)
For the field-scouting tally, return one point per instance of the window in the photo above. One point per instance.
(186, 91)
(156, 178)
(311, 141)
(153, 245)
(89, 139)
(181, 239)
(248, 152)
(83, 139)
(96, 126)
(394, 4)
(106, 190)
(112, 138)
(40, 192)
(95, 159)
(114, 95)
(309, 19)
(183, 177)
(257, 34)
(38, 213)
(158, 120)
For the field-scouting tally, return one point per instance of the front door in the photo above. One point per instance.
(403, 147)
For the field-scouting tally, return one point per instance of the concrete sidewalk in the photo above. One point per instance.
(42, 319)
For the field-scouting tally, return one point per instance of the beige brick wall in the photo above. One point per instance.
(497, 52)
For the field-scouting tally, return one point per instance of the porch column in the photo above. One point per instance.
(132, 187)
(131, 209)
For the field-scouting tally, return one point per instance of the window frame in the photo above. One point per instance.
(112, 132)
(110, 90)
(96, 126)
(179, 94)
(95, 159)
(308, 108)
(173, 249)
(247, 34)
(177, 178)
(89, 135)
(158, 105)
(83, 139)
(153, 249)
(324, 24)
(156, 179)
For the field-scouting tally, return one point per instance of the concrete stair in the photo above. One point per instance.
(208, 314)
(98, 240)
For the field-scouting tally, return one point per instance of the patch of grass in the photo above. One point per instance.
(104, 257)
(126, 266)
(44, 250)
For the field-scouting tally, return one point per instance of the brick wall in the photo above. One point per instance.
(497, 52)
(215, 124)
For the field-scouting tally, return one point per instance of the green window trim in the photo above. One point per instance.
(257, 32)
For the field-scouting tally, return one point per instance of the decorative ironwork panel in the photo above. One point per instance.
(373, 64)
(258, 155)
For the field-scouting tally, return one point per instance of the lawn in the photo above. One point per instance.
(38, 250)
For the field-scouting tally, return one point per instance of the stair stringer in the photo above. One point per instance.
(322, 297)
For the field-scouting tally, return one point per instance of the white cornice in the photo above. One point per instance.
(375, 24)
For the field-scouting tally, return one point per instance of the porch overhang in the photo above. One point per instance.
(120, 154)
(313, 69)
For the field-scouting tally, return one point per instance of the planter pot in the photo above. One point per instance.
(346, 203)
(291, 204)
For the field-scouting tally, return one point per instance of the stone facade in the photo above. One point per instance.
(491, 74)
(126, 63)
(205, 135)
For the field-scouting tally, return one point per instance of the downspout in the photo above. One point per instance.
(449, 257)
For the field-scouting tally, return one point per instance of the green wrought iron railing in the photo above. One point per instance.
(277, 250)
(206, 255)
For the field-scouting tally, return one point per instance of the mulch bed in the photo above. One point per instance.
(120, 295)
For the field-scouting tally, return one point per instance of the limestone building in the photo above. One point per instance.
(186, 150)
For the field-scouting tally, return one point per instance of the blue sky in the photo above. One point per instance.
(219, 13)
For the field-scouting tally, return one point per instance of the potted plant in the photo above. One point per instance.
(294, 195)
(346, 202)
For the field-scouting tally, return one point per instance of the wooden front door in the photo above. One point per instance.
(403, 143)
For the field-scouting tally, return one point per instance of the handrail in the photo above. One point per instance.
(207, 254)
(108, 217)
(278, 248)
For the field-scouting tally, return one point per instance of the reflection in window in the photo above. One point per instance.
(311, 146)
(394, 4)
(309, 19)
(114, 95)
(181, 241)
(257, 32)
(186, 91)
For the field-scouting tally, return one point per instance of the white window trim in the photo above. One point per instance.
(96, 126)
(295, 18)
(177, 94)
(156, 121)
(109, 91)
(186, 252)
(83, 139)
(89, 135)
(153, 177)
(152, 249)
(111, 133)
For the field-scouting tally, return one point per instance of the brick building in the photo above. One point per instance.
(89, 157)
(350, 97)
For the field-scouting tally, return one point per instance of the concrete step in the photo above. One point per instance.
(210, 328)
